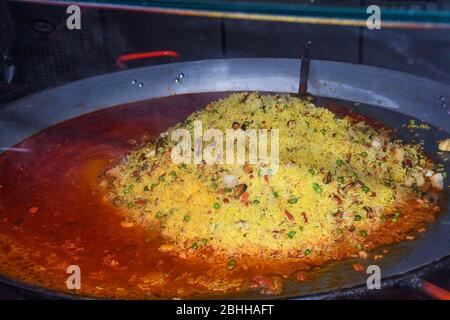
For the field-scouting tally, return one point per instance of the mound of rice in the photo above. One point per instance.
(337, 183)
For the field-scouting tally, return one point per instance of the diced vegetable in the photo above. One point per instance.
(291, 234)
(317, 188)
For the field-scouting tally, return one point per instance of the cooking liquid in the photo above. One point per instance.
(53, 213)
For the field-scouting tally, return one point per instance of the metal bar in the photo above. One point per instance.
(304, 70)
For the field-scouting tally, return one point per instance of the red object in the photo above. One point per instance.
(358, 267)
(244, 198)
(33, 210)
(305, 217)
(435, 291)
(300, 277)
(145, 55)
(288, 215)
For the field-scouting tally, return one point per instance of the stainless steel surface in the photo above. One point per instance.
(393, 96)
(402, 92)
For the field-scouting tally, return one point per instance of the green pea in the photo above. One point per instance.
(339, 162)
(293, 200)
(231, 264)
(307, 252)
(291, 234)
(216, 205)
(275, 194)
(159, 215)
(317, 188)
(364, 154)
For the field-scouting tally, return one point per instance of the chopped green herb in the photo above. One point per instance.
(194, 245)
(186, 218)
(317, 188)
(159, 215)
(128, 189)
(357, 217)
(339, 162)
(394, 220)
(363, 233)
(161, 178)
(323, 131)
(228, 190)
(130, 205)
(293, 200)
(275, 194)
(256, 201)
(183, 166)
(291, 234)
(312, 172)
(146, 188)
(340, 231)
(216, 205)
(365, 189)
(340, 179)
(173, 174)
(359, 246)
(364, 154)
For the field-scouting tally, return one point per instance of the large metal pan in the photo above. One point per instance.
(389, 96)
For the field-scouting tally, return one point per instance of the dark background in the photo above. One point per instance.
(35, 42)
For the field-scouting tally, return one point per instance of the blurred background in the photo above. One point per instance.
(38, 51)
